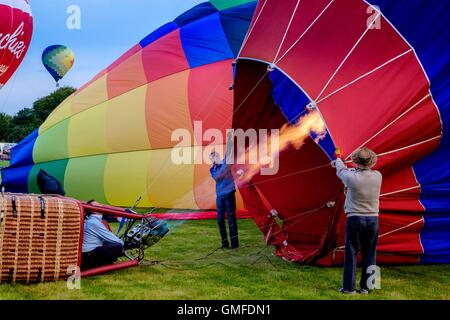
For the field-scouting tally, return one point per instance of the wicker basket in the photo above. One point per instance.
(39, 237)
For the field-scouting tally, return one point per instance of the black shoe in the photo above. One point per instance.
(363, 291)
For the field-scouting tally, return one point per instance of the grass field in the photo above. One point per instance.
(179, 267)
(3, 164)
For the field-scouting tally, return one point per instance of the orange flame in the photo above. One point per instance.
(294, 135)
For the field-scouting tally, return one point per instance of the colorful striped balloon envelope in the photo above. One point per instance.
(112, 139)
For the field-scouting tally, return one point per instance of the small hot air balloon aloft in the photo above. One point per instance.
(16, 28)
(58, 60)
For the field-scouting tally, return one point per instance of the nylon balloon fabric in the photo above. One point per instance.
(16, 29)
(112, 139)
(377, 71)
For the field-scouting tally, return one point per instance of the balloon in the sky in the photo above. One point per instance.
(378, 79)
(58, 60)
(112, 140)
(16, 28)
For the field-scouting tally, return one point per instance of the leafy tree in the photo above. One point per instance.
(23, 123)
(44, 106)
(14, 129)
(5, 126)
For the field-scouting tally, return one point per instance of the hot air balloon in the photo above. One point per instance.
(58, 60)
(112, 139)
(377, 74)
(16, 28)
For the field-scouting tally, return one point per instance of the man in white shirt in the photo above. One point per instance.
(362, 202)
(100, 246)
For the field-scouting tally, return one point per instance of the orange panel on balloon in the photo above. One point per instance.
(127, 76)
(167, 110)
(164, 57)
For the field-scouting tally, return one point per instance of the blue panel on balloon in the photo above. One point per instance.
(204, 42)
(326, 143)
(292, 102)
(152, 37)
(288, 96)
(22, 153)
(425, 25)
(16, 179)
(196, 13)
(435, 238)
(235, 22)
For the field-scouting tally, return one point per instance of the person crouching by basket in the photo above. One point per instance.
(362, 196)
(100, 246)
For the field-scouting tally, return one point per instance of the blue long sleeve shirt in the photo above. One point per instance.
(221, 173)
(95, 234)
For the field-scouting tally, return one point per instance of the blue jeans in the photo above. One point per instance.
(361, 234)
(227, 204)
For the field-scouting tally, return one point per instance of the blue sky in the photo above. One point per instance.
(108, 29)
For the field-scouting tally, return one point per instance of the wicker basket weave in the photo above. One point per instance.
(39, 237)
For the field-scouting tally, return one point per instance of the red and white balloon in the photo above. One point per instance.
(16, 28)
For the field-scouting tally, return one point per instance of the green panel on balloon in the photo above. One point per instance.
(225, 4)
(56, 169)
(85, 178)
(52, 144)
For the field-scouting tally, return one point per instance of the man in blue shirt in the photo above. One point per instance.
(225, 195)
(100, 246)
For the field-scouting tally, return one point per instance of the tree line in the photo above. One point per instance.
(17, 127)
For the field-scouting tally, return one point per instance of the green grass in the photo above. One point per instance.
(184, 270)
(3, 164)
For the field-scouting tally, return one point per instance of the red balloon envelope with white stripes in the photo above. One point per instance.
(16, 28)
(375, 70)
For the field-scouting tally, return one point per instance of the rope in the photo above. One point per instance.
(286, 32)
(389, 232)
(247, 36)
(173, 264)
(369, 26)
(248, 95)
(410, 146)
(304, 32)
(30, 242)
(44, 253)
(391, 123)
(59, 238)
(364, 75)
(399, 191)
(16, 253)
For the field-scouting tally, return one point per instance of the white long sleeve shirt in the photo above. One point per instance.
(362, 190)
(95, 234)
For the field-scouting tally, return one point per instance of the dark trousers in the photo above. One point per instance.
(101, 256)
(361, 234)
(226, 204)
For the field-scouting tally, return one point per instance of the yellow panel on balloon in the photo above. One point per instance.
(126, 178)
(91, 95)
(87, 132)
(62, 112)
(126, 125)
(170, 185)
